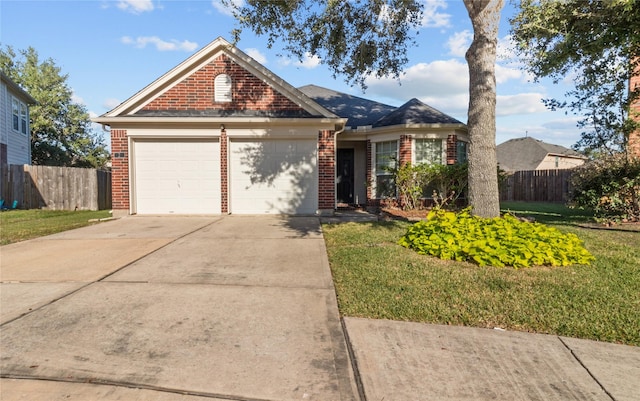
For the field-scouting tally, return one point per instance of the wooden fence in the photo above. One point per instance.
(537, 186)
(55, 188)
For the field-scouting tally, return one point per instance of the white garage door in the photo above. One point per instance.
(181, 177)
(273, 176)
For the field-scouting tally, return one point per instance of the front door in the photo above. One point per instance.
(344, 176)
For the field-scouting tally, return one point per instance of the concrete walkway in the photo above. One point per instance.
(243, 308)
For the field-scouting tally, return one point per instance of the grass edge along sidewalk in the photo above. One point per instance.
(21, 225)
(376, 278)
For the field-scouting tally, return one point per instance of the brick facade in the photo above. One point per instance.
(119, 169)
(405, 149)
(326, 170)
(196, 92)
(634, 138)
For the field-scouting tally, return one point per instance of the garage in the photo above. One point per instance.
(177, 176)
(273, 176)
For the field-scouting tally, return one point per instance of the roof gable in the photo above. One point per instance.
(188, 90)
(415, 112)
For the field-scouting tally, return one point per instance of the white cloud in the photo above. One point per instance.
(431, 18)
(161, 45)
(111, 103)
(459, 42)
(521, 103)
(504, 74)
(222, 9)
(77, 99)
(439, 78)
(561, 131)
(256, 55)
(136, 6)
(309, 61)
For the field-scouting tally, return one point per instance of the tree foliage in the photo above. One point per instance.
(597, 44)
(358, 39)
(610, 186)
(61, 133)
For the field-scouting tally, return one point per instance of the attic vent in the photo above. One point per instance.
(222, 88)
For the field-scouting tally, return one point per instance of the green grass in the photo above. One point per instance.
(21, 225)
(376, 278)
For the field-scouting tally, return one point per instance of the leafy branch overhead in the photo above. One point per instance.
(373, 35)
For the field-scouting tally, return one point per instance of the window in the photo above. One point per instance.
(428, 151)
(19, 115)
(386, 158)
(15, 107)
(461, 152)
(23, 118)
(222, 88)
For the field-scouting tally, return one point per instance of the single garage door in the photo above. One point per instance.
(177, 176)
(274, 176)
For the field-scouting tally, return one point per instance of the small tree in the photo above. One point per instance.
(61, 133)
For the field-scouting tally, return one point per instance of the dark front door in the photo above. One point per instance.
(344, 176)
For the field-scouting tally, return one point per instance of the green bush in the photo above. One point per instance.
(503, 241)
(610, 186)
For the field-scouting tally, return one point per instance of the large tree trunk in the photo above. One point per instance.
(633, 143)
(481, 59)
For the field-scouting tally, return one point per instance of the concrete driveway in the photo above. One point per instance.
(167, 308)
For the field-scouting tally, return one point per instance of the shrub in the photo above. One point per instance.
(502, 241)
(610, 186)
(410, 181)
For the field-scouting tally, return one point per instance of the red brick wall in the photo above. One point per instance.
(405, 149)
(452, 151)
(326, 170)
(224, 168)
(634, 138)
(196, 92)
(119, 169)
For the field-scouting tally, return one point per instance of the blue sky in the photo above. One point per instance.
(113, 48)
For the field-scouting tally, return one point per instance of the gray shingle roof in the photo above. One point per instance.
(359, 111)
(527, 153)
(415, 112)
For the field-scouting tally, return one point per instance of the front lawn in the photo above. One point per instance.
(21, 225)
(377, 278)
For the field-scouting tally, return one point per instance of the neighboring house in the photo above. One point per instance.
(220, 133)
(15, 140)
(532, 154)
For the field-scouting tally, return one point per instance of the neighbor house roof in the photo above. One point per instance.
(527, 153)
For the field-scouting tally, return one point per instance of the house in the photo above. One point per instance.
(15, 138)
(528, 153)
(220, 133)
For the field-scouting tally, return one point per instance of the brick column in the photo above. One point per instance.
(405, 149)
(119, 170)
(224, 172)
(326, 171)
(369, 168)
(634, 138)
(452, 149)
